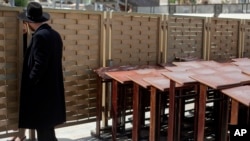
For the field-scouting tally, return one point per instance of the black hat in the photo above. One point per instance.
(34, 13)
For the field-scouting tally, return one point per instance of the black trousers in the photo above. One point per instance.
(46, 134)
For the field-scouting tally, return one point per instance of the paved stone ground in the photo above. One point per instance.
(82, 132)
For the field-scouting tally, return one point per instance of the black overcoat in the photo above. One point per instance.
(42, 101)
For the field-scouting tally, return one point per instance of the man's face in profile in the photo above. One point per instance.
(28, 26)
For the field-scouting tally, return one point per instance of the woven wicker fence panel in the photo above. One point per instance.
(81, 37)
(224, 36)
(185, 37)
(246, 37)
(134, 39)
(9, 79)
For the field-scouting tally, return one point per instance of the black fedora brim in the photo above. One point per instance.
(45, 17)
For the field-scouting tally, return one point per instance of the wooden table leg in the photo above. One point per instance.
(154, 131)
(224, 116)
(196, 107)
(122, 101)
(234, 112)
(114, 108)
(107, 100)
(248, 115)
(136, 113)
(201, 112)
(179, 114)
(99, 107)
(171, 118)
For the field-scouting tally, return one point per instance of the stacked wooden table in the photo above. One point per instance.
(228, 78)
(123, 77)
